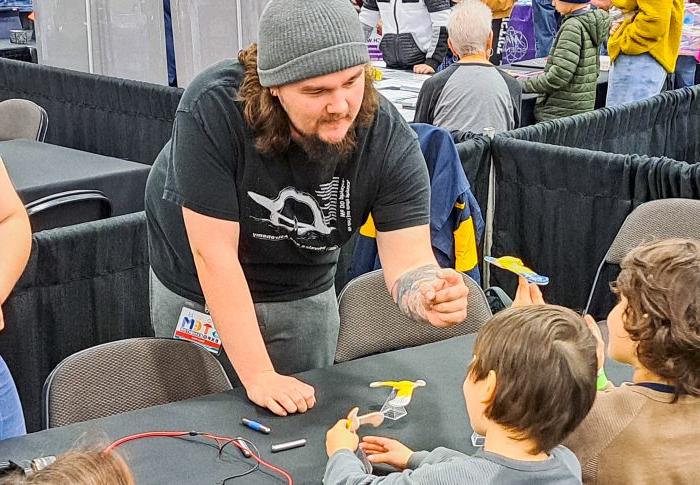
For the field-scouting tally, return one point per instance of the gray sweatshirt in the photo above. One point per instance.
(447, 467)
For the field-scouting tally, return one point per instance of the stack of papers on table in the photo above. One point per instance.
(401, 88)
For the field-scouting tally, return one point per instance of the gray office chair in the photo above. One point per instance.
(21, 118)
(371, 323)
(126, 375)
(654, 220)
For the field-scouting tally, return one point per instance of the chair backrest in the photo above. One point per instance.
(653, 220)
(68, 208)
(371, 323)
(657, 219)
(126, 375)
(21, 118)
(19, 53)
(109, 116)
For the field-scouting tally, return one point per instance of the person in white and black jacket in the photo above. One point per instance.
(414, 31)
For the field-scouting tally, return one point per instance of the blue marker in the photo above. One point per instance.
(254, 425)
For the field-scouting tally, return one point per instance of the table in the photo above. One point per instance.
(436, 416)
(41, 169)
(401, 88)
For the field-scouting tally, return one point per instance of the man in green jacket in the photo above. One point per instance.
(568, 84)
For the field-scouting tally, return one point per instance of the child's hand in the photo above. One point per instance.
(600, 343)
(528, 294)
(339, 437)
(385, 450)
(614, 27)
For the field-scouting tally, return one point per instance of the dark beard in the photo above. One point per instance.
(322, 151)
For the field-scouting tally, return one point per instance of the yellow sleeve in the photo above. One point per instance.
(368, 229)
(639, 35)
(466, 257)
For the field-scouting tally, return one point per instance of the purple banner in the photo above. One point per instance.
(519, 44)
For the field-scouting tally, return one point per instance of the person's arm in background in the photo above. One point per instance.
(439, 11)
(214, 244)
(648, 27)
(515, 90)
(427, 100)
(15, 237)
(561, 71)
(369, 16)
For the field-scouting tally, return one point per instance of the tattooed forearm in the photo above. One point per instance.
(406, 291)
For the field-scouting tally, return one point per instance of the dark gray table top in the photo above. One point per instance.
(436, 417)
(41, 169)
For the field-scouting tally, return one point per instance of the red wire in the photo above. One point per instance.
(180, 434)
(149, 434)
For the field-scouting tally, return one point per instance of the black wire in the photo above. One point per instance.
(186, 437)
(253, 449)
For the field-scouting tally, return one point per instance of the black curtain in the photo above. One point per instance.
(475, 154)
(99, 114)
(559, 208)
(665, 125)
(84, 285)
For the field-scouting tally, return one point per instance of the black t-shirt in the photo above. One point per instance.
(294, 213)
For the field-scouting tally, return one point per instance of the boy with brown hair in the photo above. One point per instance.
(648, 432)
(530, 383)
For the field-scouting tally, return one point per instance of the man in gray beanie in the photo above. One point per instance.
(276, 159)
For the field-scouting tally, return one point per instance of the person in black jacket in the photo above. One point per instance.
(414, 32)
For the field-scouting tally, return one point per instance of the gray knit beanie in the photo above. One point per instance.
(301, 39)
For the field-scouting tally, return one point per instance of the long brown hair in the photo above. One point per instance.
(267, 118)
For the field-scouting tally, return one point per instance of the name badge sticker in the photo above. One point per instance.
(198, 327)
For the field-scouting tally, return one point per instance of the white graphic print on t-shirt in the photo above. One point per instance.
(305, 221)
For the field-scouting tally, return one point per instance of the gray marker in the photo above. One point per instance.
(288, 445)
(245, 449)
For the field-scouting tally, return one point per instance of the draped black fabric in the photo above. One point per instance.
(559, 208)
(105, 115)
(475, 153)
(665, 125)
(84, 285)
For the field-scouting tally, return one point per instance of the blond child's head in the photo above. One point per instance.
(656, 324)
(78, 468)
(533, 373)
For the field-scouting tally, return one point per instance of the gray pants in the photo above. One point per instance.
(299, 335)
